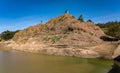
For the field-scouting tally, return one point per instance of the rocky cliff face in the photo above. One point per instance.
(63, 30)
(117, 51)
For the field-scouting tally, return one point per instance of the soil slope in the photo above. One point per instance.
(63, 30)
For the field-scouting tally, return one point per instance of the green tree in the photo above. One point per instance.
(89, 20)
(111, 28)
(81, 18)
(6, 35)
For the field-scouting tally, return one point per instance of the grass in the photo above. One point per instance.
(46, 38)
(53, 39)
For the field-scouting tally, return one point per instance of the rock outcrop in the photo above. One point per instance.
(106, 49)
(63, 30)
(116, 52)
(63, 35)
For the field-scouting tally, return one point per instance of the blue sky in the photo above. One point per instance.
(19, 14)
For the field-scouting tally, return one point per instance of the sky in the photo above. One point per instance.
(19, 14)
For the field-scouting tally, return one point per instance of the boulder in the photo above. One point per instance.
(116, 52)
(117, 58)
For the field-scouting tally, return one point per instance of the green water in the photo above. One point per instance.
(20, 62)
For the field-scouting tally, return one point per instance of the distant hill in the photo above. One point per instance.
(62, 30)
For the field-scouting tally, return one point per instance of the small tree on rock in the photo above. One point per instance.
(89, 20)
(81, 18)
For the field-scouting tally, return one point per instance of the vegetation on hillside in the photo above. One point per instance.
(54, 30)
(111, 28)
(52, 39)
(81, 18)
(6, 35)
(89, 20)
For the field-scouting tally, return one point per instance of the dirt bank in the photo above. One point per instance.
(101, 50)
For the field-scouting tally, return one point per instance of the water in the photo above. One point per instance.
(21, 62)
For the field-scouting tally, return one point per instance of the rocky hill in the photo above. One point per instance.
(66, 36)
(63, 30)
(67, 23)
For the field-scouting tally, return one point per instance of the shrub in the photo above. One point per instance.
(81, 18)
(89, 20)
(46, 38)
(55, 39)
(52, 39)
(6, 35)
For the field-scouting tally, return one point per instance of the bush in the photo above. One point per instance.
(52, 39)
(81, 18)
(46, 38)
(90, 21)
(55, 39)
(6, 35)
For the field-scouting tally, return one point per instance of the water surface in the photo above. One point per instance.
(21, 62)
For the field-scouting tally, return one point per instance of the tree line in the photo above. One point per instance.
(6, 35)
(111, 28)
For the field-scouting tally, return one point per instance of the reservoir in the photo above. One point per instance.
(21, 62)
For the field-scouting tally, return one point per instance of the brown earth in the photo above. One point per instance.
(117, 51)
(106, 49)
(63, 30)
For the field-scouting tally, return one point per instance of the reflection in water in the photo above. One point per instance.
(115, 68)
